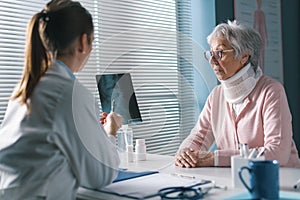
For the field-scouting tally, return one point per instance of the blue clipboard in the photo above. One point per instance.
(125, 175)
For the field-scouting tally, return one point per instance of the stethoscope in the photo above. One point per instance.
(191, 192)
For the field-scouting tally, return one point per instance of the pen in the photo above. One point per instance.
(297, 184)
(252, 154)
(183, 176)
(112, 105)
(244, 150)
(261, 152)
(241, 150)
(223, 187)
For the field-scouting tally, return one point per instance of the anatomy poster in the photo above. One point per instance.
(265, 17)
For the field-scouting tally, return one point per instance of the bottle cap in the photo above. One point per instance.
(140, 141)
(129, 148)
(124, 126)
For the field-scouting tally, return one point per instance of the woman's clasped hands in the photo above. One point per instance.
(188, 158)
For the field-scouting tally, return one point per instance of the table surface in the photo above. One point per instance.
(221, 175)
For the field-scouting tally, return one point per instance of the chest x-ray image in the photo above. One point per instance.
(118, 89)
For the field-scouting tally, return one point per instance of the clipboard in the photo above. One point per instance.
(146, 185)
(125, 175)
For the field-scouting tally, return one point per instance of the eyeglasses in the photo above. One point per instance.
(216, 54)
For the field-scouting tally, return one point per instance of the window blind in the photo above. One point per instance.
(14, 15)
(150, 39)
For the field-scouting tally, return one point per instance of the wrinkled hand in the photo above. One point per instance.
(190, 158)
(111, 122)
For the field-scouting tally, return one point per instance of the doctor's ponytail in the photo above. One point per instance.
(36, 62)
(50, 35)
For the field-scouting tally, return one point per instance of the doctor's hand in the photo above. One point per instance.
(111, 122)
(103, 118)
(187, 157)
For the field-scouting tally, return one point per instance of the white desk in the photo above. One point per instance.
(221, 175)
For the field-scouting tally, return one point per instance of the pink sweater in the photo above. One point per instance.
(264, 120)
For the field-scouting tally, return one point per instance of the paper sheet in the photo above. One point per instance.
(148, 185)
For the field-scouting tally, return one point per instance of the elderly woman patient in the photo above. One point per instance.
(247, 107)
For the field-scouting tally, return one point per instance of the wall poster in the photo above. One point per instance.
(265, 17)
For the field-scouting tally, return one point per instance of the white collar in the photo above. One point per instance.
(240, 85)
(63, 65)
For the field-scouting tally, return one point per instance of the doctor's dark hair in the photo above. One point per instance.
(50, 35)
(243, 39)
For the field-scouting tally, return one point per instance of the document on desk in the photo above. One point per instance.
(148, 185)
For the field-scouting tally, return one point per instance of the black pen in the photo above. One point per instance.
(261, 152)
(297, 184)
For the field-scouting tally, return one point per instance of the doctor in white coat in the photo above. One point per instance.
(51, 140)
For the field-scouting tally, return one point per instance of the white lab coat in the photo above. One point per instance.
(58, 147)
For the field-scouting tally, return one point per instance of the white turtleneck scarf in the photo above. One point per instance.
(239, 86)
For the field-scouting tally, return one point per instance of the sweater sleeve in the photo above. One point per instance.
(201, 136)
(277, 125)
(223, 157)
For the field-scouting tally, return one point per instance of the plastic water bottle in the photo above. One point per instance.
(121, 140)
(128, 142)
(128, 134)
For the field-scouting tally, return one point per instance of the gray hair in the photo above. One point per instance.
(243, 39)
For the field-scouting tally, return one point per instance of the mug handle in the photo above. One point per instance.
(242, 179)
